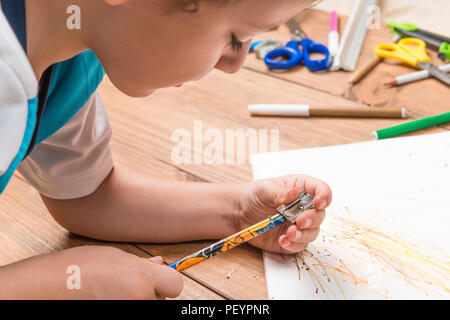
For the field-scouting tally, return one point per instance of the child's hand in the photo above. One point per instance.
(110, 273)
(260, 199)
(101, 272)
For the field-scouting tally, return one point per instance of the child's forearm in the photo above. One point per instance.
(41, 277)
(88, 272)
(133, 207)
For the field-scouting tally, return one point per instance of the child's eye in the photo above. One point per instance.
(235, 43)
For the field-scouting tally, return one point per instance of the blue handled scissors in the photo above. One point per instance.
(294, 56)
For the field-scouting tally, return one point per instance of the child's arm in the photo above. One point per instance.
(133, 207)
(89, 272)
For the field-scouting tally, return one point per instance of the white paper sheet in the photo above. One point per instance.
(387, 233)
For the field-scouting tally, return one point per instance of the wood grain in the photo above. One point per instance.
(27, 230)
(369, 90)
(149, 124)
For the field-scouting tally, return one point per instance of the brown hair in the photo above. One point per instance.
(192, 5)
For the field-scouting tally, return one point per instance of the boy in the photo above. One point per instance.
(56, 133)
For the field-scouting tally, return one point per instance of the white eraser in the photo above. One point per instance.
(285, 110)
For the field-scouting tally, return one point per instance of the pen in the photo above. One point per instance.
(411, 126)
(333, 36)
(304, 110)
(285, 213)
(415, 76)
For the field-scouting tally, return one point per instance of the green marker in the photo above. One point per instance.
(444, 51)
(401, 26)
(411, 126)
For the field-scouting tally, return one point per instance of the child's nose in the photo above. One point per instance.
(232, 62)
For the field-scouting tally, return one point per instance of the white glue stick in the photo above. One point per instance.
(333, 36)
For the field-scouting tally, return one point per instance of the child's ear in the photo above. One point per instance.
(115, 2)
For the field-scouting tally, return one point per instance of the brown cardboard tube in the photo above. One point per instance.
(358, 112)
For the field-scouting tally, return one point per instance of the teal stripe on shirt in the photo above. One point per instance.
(73, 83)
(28, 134)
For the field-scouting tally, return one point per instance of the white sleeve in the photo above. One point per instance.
(73, 162)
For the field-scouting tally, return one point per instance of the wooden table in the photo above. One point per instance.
(142, 139)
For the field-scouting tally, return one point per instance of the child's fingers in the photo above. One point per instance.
(310, 219)
(157, 260)
(167, 281)
(322, 193)
(302, 236)
(290, 246)
(319, 189)
(273, 195)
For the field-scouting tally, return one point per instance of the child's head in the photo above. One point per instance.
(145, 45)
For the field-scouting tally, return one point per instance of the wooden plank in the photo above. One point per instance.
(142, 140)
(146, 125)
(247, 282)
(27, 229)
(370, 90)
(143, 128)
(316, 26)
(428, 14)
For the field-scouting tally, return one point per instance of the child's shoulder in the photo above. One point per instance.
(73, 83)
(14, 65)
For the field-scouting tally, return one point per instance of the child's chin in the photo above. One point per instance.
(140, 94)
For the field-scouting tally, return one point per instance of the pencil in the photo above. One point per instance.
(304, 110)
(229, 243)
(415, 76)
(285, 213)
(411, 126)
(361, 73)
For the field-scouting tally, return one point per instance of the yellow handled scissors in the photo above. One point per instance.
(412, 51)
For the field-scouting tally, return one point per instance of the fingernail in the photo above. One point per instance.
(298, 235)
(156, 259)
(323, 204)
(308, 223)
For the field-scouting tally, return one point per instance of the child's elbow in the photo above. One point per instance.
(68, 214)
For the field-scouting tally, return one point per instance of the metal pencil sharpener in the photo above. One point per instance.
(292, 210)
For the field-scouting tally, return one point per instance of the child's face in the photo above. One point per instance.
(143, 51)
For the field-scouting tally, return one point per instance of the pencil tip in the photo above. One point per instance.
(390, 84)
